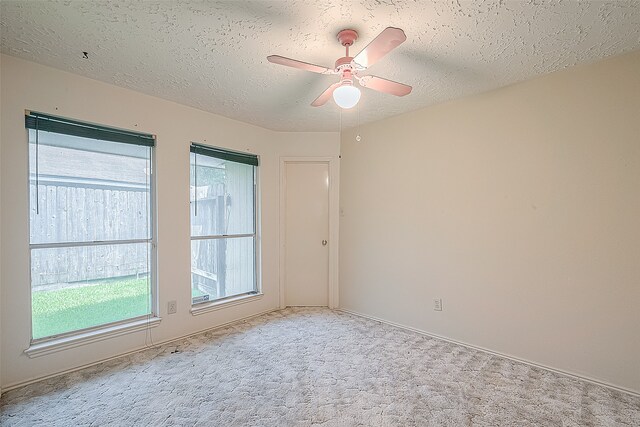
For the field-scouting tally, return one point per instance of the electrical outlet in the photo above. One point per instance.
(437, 304)
(172, 307)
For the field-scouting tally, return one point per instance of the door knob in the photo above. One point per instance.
(324, 243)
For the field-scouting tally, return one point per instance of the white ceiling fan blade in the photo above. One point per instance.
(325, 96)
(387, 40)
(384, 85)
(281, 60)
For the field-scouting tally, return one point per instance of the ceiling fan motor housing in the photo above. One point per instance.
(344, 62)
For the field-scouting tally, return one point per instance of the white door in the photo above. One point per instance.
(306, 234)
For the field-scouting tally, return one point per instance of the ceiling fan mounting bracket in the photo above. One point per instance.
(347, 37)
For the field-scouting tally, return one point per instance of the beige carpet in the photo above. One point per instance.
(304, 367)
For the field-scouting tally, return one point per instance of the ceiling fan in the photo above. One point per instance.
(344, 92)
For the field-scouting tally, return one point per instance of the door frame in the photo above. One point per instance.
(334, 177)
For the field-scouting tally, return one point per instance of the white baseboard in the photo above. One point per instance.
(496, 353)
(136, 350)
(355, 313)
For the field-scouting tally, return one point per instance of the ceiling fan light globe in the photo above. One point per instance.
(346, 96)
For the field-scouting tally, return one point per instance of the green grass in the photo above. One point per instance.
(195, 292)
(64, 310)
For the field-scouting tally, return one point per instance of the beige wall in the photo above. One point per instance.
(0, 228)
(520, 208)
(27, 85)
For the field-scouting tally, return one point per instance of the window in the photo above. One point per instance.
(223, 224)
(91, 238)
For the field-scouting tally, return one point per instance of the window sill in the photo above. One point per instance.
(217, 305)
(64, 343)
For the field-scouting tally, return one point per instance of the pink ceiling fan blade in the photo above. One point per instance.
(281, 60)
(325, 96)
(384, 85)
(387, 40)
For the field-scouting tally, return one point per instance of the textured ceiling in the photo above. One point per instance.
(212, 55)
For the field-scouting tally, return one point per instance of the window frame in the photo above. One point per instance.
(87, 334)
(205, 305)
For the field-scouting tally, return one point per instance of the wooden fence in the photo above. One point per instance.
(223, 267)
(70, 212)
(85, 212)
